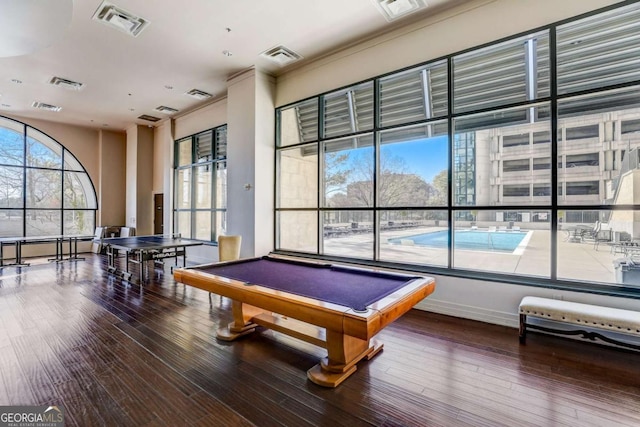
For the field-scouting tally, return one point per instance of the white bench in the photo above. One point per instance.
(587, 315)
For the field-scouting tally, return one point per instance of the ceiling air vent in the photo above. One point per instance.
(394, 9)
(44, 106)
(281, 55)
(65, 83)
(164, 109)
(199, 94)
(149, 118)
(120, 19)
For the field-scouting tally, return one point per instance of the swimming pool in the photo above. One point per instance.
(468, 239)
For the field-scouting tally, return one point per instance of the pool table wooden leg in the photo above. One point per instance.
(242, 324)
(344, 352)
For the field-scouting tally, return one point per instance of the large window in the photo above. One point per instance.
(44, 190)
(460, 164)
(200, 205)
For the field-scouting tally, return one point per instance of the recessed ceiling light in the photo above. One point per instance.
(199, 94)
(120, 19)
(394, 9)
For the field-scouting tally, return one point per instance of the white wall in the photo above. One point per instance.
(265, 164)
(250, 163)
(131, 176)
(163, 161)
(201, 119)
(497, 303)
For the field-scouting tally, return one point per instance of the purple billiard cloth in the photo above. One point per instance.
(339, 285)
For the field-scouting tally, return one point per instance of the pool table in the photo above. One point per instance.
(335, 307)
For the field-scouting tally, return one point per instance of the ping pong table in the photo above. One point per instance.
(142, 249)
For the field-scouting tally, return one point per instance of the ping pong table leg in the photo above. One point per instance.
(126, 274)
(111, 259)
(142, 263)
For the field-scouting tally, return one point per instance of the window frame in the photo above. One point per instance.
(556, 183)
(66, 164)
(212, 161)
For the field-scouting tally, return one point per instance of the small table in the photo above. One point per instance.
(575, 233)
(338, 308)
(59, 240)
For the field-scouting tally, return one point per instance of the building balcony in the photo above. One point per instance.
(580, 146)
(591, 172)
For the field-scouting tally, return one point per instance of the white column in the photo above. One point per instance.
(250, 160)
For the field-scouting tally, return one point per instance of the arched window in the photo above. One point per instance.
(44, 190)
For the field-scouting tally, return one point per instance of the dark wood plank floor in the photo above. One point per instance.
(115, 354)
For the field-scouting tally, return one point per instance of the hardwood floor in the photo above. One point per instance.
(115, 354)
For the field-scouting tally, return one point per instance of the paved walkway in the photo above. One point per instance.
(576, 260)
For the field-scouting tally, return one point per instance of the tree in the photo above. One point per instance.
(336, 175)
(441, 186)
(397, 186)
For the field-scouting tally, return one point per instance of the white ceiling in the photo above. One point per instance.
(125, 77)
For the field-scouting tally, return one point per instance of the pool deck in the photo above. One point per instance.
(576, 260)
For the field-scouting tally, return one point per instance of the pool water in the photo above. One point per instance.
(468, 239)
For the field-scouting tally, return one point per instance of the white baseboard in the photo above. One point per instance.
(469, 312)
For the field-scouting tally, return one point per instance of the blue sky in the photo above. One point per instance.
(425, 157)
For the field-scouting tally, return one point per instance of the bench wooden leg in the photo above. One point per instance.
(523, 328)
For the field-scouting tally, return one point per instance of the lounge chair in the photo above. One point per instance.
(591, 234)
